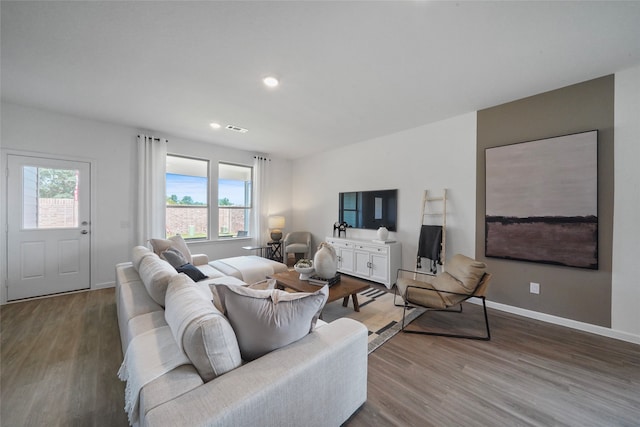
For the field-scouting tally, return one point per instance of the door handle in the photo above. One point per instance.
(84, 232)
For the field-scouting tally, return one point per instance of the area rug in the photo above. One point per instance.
(378, 313)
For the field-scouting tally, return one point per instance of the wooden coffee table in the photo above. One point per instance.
(345, 288)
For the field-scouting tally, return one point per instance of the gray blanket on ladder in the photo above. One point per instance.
(429, 246)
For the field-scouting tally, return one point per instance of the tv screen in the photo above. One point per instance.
(369, 209)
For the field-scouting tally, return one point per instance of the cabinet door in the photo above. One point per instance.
(379, 268)
(345, 256)
(363, 263)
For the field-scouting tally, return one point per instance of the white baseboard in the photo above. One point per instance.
(561, 321)
(104, 285)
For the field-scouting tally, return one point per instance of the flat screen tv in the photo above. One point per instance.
(369, 209)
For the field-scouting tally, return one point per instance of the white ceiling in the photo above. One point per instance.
(349, 71)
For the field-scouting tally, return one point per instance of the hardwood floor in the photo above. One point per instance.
(60, 356)
(530, 374)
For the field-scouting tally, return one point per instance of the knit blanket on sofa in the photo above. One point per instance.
(149, 356)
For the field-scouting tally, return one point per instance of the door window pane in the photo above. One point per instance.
(187, 197)
(49, 198)
(234, 200)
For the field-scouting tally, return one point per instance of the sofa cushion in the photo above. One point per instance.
(466, 270)
(155, 274)
(138, 253)
(265, 320)
(133, 301)
(145, 322)
(296, 247)
(448, 283)
(176, 242)
(209, 271)
(167, 387)
(203, 333)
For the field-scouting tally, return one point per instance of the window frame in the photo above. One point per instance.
(208, 193)
(247, 208)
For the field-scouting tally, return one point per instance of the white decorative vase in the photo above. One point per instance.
(383, 233)
(325, 261)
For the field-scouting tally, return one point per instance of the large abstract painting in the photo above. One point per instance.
(542, 201)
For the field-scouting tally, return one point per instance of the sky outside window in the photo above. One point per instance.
(187, 186)
(196, 188)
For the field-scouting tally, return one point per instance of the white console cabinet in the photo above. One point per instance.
(378, 262)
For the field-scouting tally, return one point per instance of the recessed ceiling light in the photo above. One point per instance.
(270, 81)
(215, 125)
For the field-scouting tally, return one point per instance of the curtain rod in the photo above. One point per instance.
(153, 137)
(261, 158)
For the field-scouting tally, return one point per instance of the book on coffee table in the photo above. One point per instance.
(316, 280)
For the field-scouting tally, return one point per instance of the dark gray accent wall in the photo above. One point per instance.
(572, 293)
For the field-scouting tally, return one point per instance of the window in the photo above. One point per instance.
(187, 197)
(234, 200)
(50, 198)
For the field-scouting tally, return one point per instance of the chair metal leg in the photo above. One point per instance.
(486, 337)
(395, 293)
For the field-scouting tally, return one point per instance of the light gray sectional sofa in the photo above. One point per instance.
(319, 380)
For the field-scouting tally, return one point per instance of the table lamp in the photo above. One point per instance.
(276, 223)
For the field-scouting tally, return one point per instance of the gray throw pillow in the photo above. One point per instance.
(265, 320)
(174, 257)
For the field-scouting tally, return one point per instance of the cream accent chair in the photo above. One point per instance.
(298, 243)
(464, 278)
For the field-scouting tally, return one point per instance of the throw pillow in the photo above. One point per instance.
(263, 284)
(177, 242)
(191, 271)
(174, 257)
(200, 330)
(265, 320)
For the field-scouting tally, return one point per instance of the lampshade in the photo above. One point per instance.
(276, 221)
(275, 224)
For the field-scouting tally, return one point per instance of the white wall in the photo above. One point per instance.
(625, 301)
(112, 152)
(435, 156)
(111, 149)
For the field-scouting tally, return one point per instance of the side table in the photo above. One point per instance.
(274, 250)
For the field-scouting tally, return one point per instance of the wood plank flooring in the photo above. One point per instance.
(60, 356)
(530, 374)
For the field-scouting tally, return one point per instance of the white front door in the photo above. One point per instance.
(49, 239)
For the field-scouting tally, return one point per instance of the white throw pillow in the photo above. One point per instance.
(200, 330)
(265, 320)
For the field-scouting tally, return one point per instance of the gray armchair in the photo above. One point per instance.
(298, 243)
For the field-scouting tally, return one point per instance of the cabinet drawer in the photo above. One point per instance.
(373, 249)
(337, 245)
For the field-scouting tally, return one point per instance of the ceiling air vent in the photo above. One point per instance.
(237, 129)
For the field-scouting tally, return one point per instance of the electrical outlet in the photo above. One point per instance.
(534, 287)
